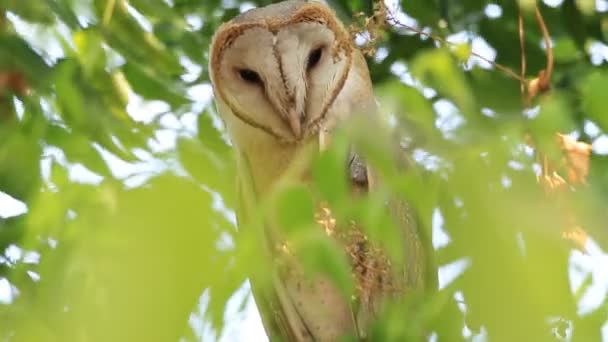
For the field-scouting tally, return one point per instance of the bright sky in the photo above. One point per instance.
(246, 325)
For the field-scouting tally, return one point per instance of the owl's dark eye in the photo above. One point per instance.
(250, 76)
(314, 57)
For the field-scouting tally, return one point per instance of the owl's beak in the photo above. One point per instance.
(295, 123)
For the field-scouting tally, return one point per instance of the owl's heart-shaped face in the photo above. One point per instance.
(279, 69)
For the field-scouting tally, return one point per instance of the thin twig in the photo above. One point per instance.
(522, 47)
(441, 40)
(542, 82)
(548, 46)
(108, 11)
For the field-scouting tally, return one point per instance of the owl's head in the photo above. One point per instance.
(279, 68)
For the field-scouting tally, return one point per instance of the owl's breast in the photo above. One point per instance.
(269, 163)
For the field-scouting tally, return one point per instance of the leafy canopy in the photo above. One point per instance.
(108, 136)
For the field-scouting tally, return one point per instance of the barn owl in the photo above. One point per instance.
(284, 77)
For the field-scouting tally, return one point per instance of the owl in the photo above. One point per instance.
(285, 76)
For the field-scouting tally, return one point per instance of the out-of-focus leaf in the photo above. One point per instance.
(152, 86)
(438, 70)
(36, 11)
(153, 9)
(495, 91)
(63, 9)
(83, 107)
(552, 117)
(589, 326)
(462, 52)
(125, 35)
(565, 50)
(323, 257)
(295, 208)
(77, 149)
(19, 163)
(12, 229)
(410, 106)
(208, 167)
(141, 237)
(594, 99)
(329, 172)
(17, 55)
(119, 264)
(426, 11)
(90, 51)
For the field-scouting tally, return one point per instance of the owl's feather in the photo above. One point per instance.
(281, 10)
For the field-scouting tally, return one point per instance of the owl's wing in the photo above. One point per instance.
(293, 306)
(418, 270)
(268, 292)
(275, 299)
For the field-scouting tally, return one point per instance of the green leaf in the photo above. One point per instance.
(17, 55)
(427, 12)
(295, 208)
(438, 70)
(36, 11)
(128, 37)
(594, 98)
(90, 51)
(321, 256)
(409, 105)
(495, 91)
(554, 116)
(212, 168)
(329, 172)
(19, 163)
(152, 86)
(565, 50)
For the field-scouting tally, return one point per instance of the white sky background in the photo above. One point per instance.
(246, 325)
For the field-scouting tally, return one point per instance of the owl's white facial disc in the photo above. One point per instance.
(283, 80)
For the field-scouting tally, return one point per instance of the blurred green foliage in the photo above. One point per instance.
(127, 255)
